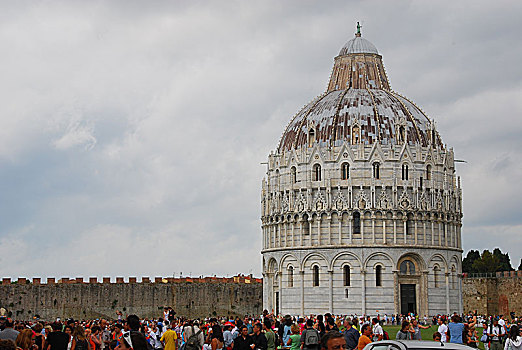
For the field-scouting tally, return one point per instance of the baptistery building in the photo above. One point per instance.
(361, 205)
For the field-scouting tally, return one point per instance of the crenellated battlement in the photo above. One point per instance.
(240, 279)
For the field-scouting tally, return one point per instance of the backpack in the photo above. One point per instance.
(193, 341)
(311, 338)
(385, 335)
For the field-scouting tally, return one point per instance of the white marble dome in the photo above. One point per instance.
(361, 205)
(358, 45)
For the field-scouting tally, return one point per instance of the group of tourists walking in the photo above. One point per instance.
(264, 332)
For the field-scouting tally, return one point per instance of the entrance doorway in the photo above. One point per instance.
(408, 299)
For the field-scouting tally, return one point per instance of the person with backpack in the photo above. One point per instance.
(193, 337)
(310, 337)
(377, 331)
(495, 333)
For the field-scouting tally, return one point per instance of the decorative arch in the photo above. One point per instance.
(433, 261)
(272, 265)
(311, 255)
(371, 256)
(287, 259)
(419, 262)
(339, 255)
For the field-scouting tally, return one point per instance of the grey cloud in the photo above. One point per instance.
(129, 128)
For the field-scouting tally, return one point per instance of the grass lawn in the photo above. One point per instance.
(427, 334)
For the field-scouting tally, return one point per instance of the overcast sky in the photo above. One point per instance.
(131, 133)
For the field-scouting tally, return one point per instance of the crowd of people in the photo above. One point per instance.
(265, 332)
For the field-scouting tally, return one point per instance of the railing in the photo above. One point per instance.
(492, 274)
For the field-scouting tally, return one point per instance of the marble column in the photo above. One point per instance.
(330, 273)
(301, 273)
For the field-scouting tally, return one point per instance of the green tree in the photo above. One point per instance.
(487, 263)
(467, 263)
(504, 260)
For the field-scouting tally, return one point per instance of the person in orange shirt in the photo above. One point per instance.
(365, 338)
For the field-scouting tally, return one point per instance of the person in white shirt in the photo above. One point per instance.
(443, 330)
(377, 330)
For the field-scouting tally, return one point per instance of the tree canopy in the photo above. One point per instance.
(474, 262)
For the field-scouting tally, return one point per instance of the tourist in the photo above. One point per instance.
(484, 339)
(333, 341)
(169, 339)
(351, 334)
(215, 337)
(364, 339)
(320, 326)
(471, 336)
(118, 332)
(8, 332)
(228, 337)
(96, 337)
(192, 327)
(417, 329)
(243, 340)
(310, 337)
(7, 344)
(132, 340)
(57, 340)
(294, 341)
(69, 331)
(39, 338)
(443, 330)
(495, 334)
(79, 341)
(376, 330)
(24, 340)
(514, 340)
(258, 338)
(405, 332)
(269, 334)
(456, 330)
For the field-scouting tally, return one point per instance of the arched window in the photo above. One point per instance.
(346, 275)
(356, 223)
(290, 276)
(436, 271)
(378, 276)
(345, 171)
(311, 137)
(405, 172)
(453, 277)
(376, 170)
(316, 276)
(316, 173)
(293, 175)
(428, 172)
(407, 268)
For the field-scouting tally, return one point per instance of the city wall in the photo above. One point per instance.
(497, 294)
(191, 297)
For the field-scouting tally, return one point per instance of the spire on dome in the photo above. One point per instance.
(358, 34)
